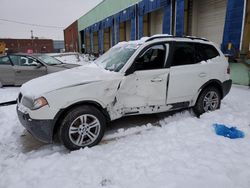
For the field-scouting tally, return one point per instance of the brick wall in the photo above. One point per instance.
(23, 45)
(71, 38)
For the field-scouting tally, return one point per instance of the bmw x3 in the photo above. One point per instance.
(157, 74)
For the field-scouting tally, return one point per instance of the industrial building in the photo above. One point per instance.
(71, 38)
(28, 45)
(225, 22)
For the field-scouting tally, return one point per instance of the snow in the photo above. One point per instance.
(176, 151)
(72, 58)
(79, 75)
(8, 94)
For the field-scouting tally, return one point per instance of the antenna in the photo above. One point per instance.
(32, 37)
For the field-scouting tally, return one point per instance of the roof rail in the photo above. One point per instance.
(171, 36)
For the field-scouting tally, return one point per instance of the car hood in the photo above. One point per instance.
(72, 77)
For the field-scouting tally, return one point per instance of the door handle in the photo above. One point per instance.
(18, 71)
(156, 80)
(202, 74)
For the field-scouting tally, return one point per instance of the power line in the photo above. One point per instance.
(31, 24)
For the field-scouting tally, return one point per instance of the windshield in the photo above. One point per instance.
(49, 60)
(116, 57)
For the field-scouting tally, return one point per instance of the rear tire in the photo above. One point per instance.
(208, 100)
(83, 126)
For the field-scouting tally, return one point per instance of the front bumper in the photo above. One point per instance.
(40, 129)
(226, 86)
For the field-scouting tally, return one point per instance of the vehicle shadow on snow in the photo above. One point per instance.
(29, 143)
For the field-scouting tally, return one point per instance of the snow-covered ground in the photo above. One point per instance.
(8, 94)
(176, 151)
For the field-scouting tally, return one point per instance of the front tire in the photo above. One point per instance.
(83, 126)
(208, 100)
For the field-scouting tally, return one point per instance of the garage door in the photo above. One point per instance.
(95, 38)
(122, 31)
(211, 19)
(156, 21)
(87, 42)
(107, 33)
(146, 25)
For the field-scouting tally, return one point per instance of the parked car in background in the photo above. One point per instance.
(16, 69)
(162, 73)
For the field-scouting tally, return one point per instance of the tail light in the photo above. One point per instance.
(228, 70)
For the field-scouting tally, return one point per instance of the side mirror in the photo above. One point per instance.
(39, 65)
(140, 59)
(131, 69)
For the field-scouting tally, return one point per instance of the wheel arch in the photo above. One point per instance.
(59, 116)
(212, 83)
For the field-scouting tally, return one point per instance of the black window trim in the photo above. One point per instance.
(146, 48)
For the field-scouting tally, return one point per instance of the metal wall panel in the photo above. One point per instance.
(179, 25)
(233, 25)
(209, 19)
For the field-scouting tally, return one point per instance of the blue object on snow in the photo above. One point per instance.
(225, 131)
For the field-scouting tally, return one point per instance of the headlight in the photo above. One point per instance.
(39, 103)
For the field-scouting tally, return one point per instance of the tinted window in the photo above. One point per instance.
(184, 54)
(152, 58)
(205, 52)
(23, 60)
(4, 60)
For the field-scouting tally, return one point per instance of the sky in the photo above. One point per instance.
(58, 13)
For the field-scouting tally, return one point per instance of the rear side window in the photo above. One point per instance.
(184, 54)
(205, 52)
(4, 60)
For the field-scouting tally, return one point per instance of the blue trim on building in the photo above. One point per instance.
(166, 26)
(140, 26)
(233, 26)
(179, 25)
(133, 23)
(148, 6)
(135, 14)
(117, 28)
(100, 41)
(113, 33)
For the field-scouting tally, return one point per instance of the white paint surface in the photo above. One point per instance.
(183, 152)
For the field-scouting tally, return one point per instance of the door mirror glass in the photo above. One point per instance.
(152, 58)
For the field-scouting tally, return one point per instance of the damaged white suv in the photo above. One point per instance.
(153, 75)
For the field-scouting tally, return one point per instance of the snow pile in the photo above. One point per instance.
(182, 151)
(8, 94)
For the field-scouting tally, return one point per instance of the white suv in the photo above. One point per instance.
(153, 75)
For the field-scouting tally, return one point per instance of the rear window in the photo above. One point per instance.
(205, 52)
